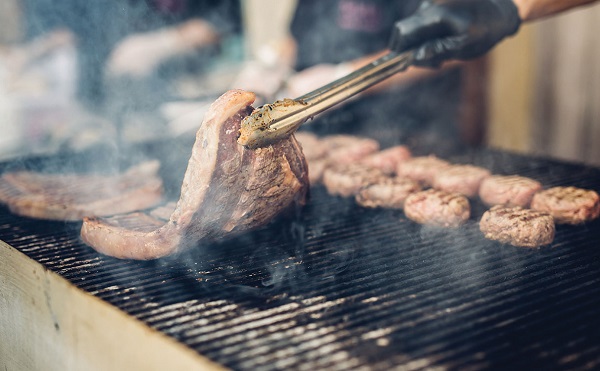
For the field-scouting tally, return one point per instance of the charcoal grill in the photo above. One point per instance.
(342, 287)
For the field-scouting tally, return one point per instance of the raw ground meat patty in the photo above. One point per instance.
(463, 179)
(568, 205)
(348, 149)
(421, 169)
(347, 180)
(387, 192)
(508, 190)
(388, 159)
(517, 226)
(437, 208)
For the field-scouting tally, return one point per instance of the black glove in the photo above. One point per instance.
(455, 29)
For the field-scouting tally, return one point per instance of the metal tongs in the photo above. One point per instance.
(273, 122)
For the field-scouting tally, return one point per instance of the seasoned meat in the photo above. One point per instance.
(508, 190)
(388, 159)
(568, 205)
(438, 208)
(227, 189)
(73, 196)
(463, 179)
(347, 180)
(348, 149)
(422, 169)
(517, 226)
(387, 192)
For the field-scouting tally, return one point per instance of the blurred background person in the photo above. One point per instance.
(150, 40)
(131, 61)
(128, 57)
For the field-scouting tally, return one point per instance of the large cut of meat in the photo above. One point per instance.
(227, 189)
(74, 196)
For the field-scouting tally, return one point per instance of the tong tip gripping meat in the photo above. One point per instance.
(259, 128)
(270, 123)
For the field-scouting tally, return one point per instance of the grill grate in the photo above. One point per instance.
(342, 287)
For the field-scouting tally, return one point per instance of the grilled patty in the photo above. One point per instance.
(387, 192)
(348, 149)
(388, 159)
(508, 190)
(346, 180)
(517, 226)
(438, 208)
(568, 205)
(463, 179)
(421, 169)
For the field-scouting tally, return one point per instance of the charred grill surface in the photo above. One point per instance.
(342, 287)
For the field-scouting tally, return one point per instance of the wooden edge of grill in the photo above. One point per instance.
(50, 323)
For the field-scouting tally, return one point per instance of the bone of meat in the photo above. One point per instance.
(387, 192)
(568, 205)
(463, 179)
(437, 208)
(227, 189)
(74, 196)
(508, 190)
(517, 226)
(388, 159)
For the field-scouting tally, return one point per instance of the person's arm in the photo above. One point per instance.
(530, 10)
(139, 54)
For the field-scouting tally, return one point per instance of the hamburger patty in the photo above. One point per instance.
(421, 169)
(388, 159)
(463, 179)
(568, 205)
(348, 149)
(517, 226)
(508, 190)
(347, 179)
(387, 192)
(437, 208)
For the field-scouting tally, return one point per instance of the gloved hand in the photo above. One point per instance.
(455, 29)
